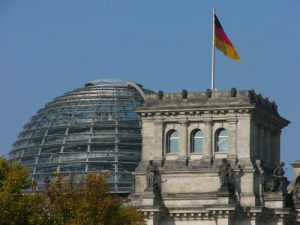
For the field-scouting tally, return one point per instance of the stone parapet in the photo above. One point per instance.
(216, 100)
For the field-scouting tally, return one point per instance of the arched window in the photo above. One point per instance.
(197, 141)
(173, 142)
(221, 140)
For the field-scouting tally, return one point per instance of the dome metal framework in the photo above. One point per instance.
(89, 129)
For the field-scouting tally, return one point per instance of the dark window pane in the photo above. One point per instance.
(54, 139)
(52, 149)
(74, 157)
(101, 166)
(103, 156)
(31, 151)
(50, 158)
(102, 147)
(28, 160)
(84, 114)
(44, 123)
(46, 169)
(125, 177)
(129, 158)
(25, 134)
(77, 138)
(75, 148)
(56, 131)
(57, 123)
(17, 153)
(20, 144)
(36, 141)
(79, 130)
(74, 167)
(64, 116)
(81, 121)
(104, 130)
(39, 133)
(103, 138)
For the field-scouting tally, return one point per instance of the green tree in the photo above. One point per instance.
(17, 208)
(87, 202)
(71, 201)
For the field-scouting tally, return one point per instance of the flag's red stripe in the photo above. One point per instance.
(222, 36)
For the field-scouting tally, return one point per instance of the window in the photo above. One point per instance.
(221, 140)
(197, 141)
(173, 142)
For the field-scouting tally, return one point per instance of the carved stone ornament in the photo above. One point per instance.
(233, 92)
(160, 95)
(208, 93)
(184, 94)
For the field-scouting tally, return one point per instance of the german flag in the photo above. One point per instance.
(223, 43)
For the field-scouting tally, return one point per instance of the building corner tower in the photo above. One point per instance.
(211, 158)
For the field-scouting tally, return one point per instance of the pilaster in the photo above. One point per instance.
(158, 153)
(232, 133)
(207, 153)
(183, 141)
(267, 146)
(277, 147)
(247, 187)
(260, 138)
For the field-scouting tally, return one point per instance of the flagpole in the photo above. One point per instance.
(213, 54)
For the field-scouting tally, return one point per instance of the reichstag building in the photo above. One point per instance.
(202, 158)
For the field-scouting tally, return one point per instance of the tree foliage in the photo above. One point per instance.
(15, 206)
(82, 200)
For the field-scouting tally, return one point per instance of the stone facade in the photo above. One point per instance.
(233, 177)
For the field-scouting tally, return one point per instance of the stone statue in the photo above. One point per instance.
(151, 170)
(295, 184)
(224, 173)
(278, 175)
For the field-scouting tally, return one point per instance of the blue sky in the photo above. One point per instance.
(51, 47)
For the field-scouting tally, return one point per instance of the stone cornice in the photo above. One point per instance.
(192, 110)
(204, 212)
(199, 104)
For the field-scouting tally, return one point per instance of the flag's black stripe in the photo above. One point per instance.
(217, 22)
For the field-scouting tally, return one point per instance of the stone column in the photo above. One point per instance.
(223, 220)
(159, 151)
(232, 131)
(253, 219)
(183, 140)
(254, 140)
(281, 220)
(153, 218)
(207, 153)
(267, 145)
(273, 151)
(260, 142)
(277, 147)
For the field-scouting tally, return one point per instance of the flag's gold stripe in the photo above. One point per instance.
(226, 49)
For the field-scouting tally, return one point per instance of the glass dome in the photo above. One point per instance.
(93, 128)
